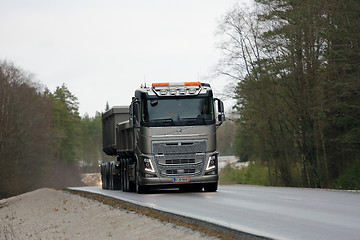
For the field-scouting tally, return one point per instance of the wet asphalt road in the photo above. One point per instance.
(272, 212)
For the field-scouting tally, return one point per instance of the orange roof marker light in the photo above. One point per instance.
(160, 84)
(192, 83)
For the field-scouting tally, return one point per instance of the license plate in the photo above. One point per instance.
(181, 179)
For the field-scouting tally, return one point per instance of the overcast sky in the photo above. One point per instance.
(104, 50)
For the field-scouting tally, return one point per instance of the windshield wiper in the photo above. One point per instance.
(167, 121)
(198, 120)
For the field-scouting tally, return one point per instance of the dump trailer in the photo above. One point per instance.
(165, 138)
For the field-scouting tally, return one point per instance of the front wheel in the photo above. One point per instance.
(139, 188)
(211, 187)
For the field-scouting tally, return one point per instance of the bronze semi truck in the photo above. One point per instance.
(166, 138)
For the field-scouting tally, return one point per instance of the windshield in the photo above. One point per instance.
(178, 111)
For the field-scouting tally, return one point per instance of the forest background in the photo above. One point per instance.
(296, 65)
(296, 69)
(43, 140)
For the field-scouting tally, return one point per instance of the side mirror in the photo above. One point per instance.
(131, 119)
(134, 122)
(220, 106)
(220, 112)
(221, 118)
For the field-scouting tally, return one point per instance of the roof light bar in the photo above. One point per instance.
(176, 84)
(177, 89)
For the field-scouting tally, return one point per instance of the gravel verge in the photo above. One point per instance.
(56, 214)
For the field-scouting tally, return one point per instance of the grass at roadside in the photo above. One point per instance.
(253, 175)
(257, 174)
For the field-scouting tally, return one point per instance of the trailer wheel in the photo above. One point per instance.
(103, 180)
(106, 176)
(211, 187)
(126, 177)
(111, 177)
(122, 174)
(114, 177)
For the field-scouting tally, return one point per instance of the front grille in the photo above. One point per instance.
(180, 171)
(179, 161)
(180, 157)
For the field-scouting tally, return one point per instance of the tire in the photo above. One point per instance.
(115, 181)
(140, 189)
(106, 176)
(132, 186)
(103, 178)
(123, 175)
(131, 171)
(111, 177)
(211, 187)
(122, 180)
(127, 182)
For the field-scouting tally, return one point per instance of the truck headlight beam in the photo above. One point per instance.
(148, 165)
(211, 163)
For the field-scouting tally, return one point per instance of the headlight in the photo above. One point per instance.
(148, 165)
(211, 163)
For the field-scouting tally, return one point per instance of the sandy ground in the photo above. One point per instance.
(55, 214)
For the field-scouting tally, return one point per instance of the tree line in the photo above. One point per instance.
(296, 65)
(43, 140)
(42, 136)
